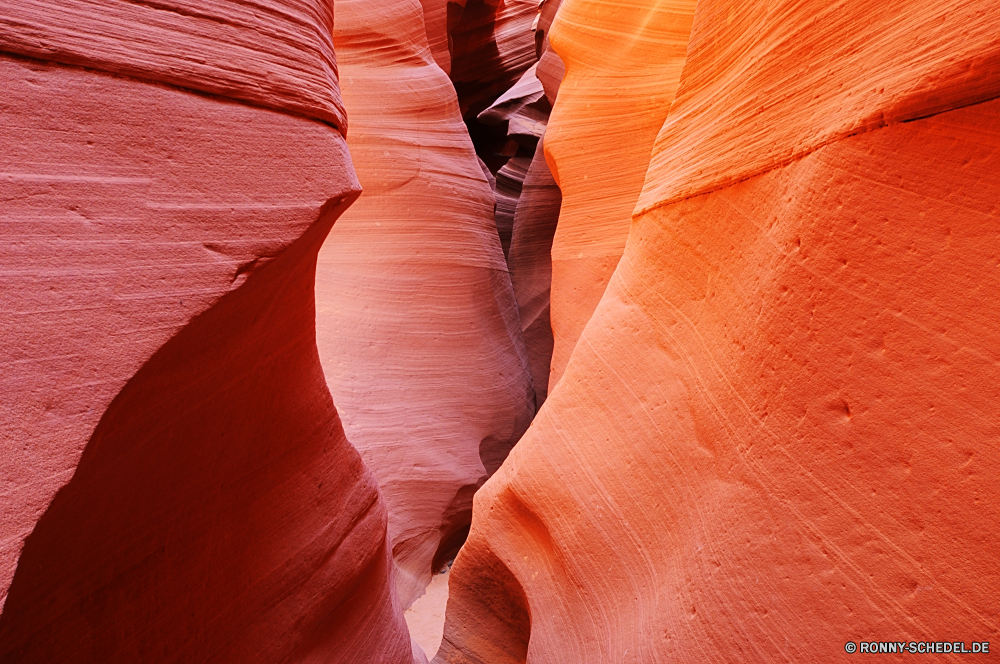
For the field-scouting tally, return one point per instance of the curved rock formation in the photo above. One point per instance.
(536, 210)
(439, 15)
(272, 54)
(526, 214)
(776, 433)
(613, 101)
(550, 70)
(530, 262)
(491, 46)
(523, 112)
(176, 483)
(418, 327)
(777, 353)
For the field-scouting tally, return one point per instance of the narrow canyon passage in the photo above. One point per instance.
(499, 331)
(418, 323)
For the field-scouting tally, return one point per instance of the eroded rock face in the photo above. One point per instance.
(623, 61)
(776, 433)
(177, 485)
(534, 225)
(418, 327)
(491, 46)
(272, 54)
(528, 199)
(774, 429)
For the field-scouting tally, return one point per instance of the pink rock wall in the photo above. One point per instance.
(530, 263)
(418, 327)
(527, 210)
(528, 199)
(176, 482)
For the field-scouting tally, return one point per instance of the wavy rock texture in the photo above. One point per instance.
(528, 199)
(418, 327)
(777, 432)
(270, 53)
(613, 101)
(550, 70)
(439, 15)
(528, 202)
(523, 111)
(530, 262)
(787, 100)
(167, 437)
(535, 219)
(491, 47)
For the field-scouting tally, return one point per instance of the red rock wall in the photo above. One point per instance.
(418, 328)
(777, 432)
(176, 482)
(270, 53)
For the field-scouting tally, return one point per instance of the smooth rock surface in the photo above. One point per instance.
(623, 60)
(162, 376)
(425, 617)
(790, 91)
(418, 328)
(777, 432)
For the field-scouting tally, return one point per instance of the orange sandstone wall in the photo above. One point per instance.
(418, 328)
(623, 60)
(777, 433)
(176, 485)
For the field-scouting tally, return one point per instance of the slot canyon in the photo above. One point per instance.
(499, 331)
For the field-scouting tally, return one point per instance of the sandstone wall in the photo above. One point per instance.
(777, 432)
(176, 482)
(418, 327)
(623, 61)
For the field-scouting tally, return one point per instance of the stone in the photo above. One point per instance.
(774, 435)
(612, 102)
(418, 328)
(176, 482)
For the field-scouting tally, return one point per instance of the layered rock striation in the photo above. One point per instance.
(176, 482)
(418, 327)
(623, 61)
(761, 299)
(775, 434)
(528, 200)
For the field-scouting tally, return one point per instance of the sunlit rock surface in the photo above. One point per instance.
(418, 327)
(777, 432)
(623, 60)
